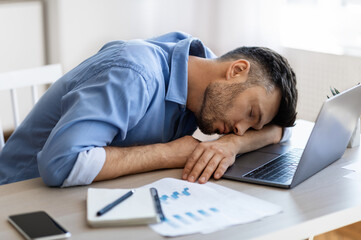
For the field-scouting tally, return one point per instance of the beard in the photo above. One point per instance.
(218, 99)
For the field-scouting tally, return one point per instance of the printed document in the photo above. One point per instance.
(203, 208)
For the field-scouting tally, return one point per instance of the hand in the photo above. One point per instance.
(179, 150)
(211, 157)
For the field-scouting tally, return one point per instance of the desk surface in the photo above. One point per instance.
(323, 202)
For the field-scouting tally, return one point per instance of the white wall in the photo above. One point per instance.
(83, 26)
(21, 46)
(80, 27)
(316, 73)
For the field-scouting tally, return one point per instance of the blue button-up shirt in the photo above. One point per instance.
(129, 93)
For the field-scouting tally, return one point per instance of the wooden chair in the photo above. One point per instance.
(32, 77)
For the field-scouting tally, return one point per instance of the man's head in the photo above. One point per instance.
(260, 87)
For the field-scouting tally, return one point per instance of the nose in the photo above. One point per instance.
(240, 128)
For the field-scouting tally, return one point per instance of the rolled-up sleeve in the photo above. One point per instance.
(94, 111)
(287, 133)
(86, 168)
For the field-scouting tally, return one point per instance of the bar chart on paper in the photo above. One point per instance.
(190, 215)
(185, 215)
(191, 208)
(175, 195)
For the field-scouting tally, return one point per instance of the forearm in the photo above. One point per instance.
(216, 156)
(255, 139)
(122, 161)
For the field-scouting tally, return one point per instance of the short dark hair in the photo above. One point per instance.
(270, 69)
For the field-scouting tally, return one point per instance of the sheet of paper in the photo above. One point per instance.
(356, 168)
(353, 166)
(354, 176)
(193, 208)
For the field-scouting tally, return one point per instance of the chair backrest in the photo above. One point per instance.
(26, 78)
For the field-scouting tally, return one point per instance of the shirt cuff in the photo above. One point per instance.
(87, 167)
(287, 133)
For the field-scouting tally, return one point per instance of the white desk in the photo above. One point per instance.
(324, 202)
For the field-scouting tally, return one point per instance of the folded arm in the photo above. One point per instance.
(216, 156)
(197, 158)
(129, 160)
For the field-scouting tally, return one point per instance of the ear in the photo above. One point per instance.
(238, 68)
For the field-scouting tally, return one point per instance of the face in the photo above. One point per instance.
(225, 110)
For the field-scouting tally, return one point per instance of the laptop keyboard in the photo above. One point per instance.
(279, 170)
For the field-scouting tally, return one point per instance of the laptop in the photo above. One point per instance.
(284, 166)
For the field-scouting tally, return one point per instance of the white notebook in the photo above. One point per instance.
(136, 209)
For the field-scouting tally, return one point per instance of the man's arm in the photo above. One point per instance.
(216, 156)
(122, 161)
(128, 160)
(100, 107)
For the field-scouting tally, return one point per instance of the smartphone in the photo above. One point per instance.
(38, 226)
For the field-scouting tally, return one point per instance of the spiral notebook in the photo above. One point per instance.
(138, 209)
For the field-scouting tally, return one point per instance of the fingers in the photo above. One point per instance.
(218, 166)
(204, 162)
(222, 167)
(207, 159)
(210, 168)
(203, 170)
(195, 164)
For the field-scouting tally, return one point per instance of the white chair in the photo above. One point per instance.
(26, 78)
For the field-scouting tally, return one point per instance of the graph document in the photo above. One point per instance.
(203, 208)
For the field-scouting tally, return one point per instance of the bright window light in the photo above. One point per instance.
(330, 26)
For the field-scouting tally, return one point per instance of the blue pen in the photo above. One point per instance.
(158, 206)
(115, 203)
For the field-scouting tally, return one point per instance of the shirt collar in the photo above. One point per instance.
(178, 81)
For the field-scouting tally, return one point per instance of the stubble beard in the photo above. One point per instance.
(218, 99)
(216, 102)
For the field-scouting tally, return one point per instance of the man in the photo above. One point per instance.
(134, 105)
